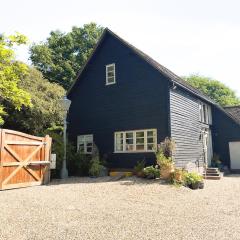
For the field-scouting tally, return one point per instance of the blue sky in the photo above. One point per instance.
(186, 36)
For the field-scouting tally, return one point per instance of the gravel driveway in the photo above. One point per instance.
(84, 208)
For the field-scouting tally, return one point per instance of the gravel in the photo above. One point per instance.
(85, 208)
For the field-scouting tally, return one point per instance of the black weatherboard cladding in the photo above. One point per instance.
(138, 100)
(225, 130)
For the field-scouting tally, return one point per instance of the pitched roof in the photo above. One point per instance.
(234, 111)
(163, 70)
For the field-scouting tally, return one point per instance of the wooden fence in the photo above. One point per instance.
(24, 159)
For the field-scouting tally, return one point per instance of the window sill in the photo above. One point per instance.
(134, 152)
(110, 83)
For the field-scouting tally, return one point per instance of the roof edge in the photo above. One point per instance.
(88, 60)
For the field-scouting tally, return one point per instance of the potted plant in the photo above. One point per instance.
(151, 172)
(177, 177)
(138, 169)
(166, 165)
(193, 180)
(164, 158)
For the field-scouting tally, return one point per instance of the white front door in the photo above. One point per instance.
(234, 149)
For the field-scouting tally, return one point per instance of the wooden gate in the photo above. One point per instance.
(24, 159)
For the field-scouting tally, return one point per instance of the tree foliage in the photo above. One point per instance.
(62, 55)
(45, 111)
(216, 90)
(11, 71)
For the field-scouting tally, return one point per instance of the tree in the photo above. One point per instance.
(216, 90)
(11, 71)
(45, 111)
(62, 55)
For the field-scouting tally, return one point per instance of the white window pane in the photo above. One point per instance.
(89, 149)
(110, 74)
(150, 147)
(88, 138)
(81, 148)
(129, 135)
(110, 68)
(140, 140)
(119, 147)
(139, 147)
(150, 140)
(149, 133)
(139, 134)
(129, 141)
(111, 79)
(129, 147)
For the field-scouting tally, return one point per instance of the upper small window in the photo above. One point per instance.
(110, 74)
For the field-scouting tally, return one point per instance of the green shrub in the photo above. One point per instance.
(139, 166)
(96, 168)
(192, 178)
(151, 172)
(177, 177)
(79, 164)
(162, 160)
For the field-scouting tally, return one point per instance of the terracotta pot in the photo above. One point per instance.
(178, 176)
(165, 173)
(140, 174)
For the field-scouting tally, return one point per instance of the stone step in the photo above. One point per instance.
(212, 174)
(212, 177)
(212, 170)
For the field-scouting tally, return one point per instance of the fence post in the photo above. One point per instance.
(47, 172)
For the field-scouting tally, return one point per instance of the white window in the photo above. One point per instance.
(136, 141)
(110, 74)
(205, 114)
(85, 144)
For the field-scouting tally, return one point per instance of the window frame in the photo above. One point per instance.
(114, 74)
(85, 142)
(205, 113)
(135, 144)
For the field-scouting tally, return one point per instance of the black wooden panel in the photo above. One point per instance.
(138, 100)
(225, 130)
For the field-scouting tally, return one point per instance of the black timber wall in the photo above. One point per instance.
(138, 100)
(186, 128)
(225, 130)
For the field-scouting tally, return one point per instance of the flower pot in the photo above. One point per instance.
(150, 176)
(165, 173)
(178, 176)
(201, 185)
(194, 186)
(140, 174)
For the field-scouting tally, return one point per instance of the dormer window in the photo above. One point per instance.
(110, 74)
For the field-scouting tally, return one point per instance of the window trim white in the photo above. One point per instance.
(114, 70)
(84, 142)
(134, 140)
(205, 113)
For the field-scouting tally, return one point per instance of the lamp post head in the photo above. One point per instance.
(65, 103)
